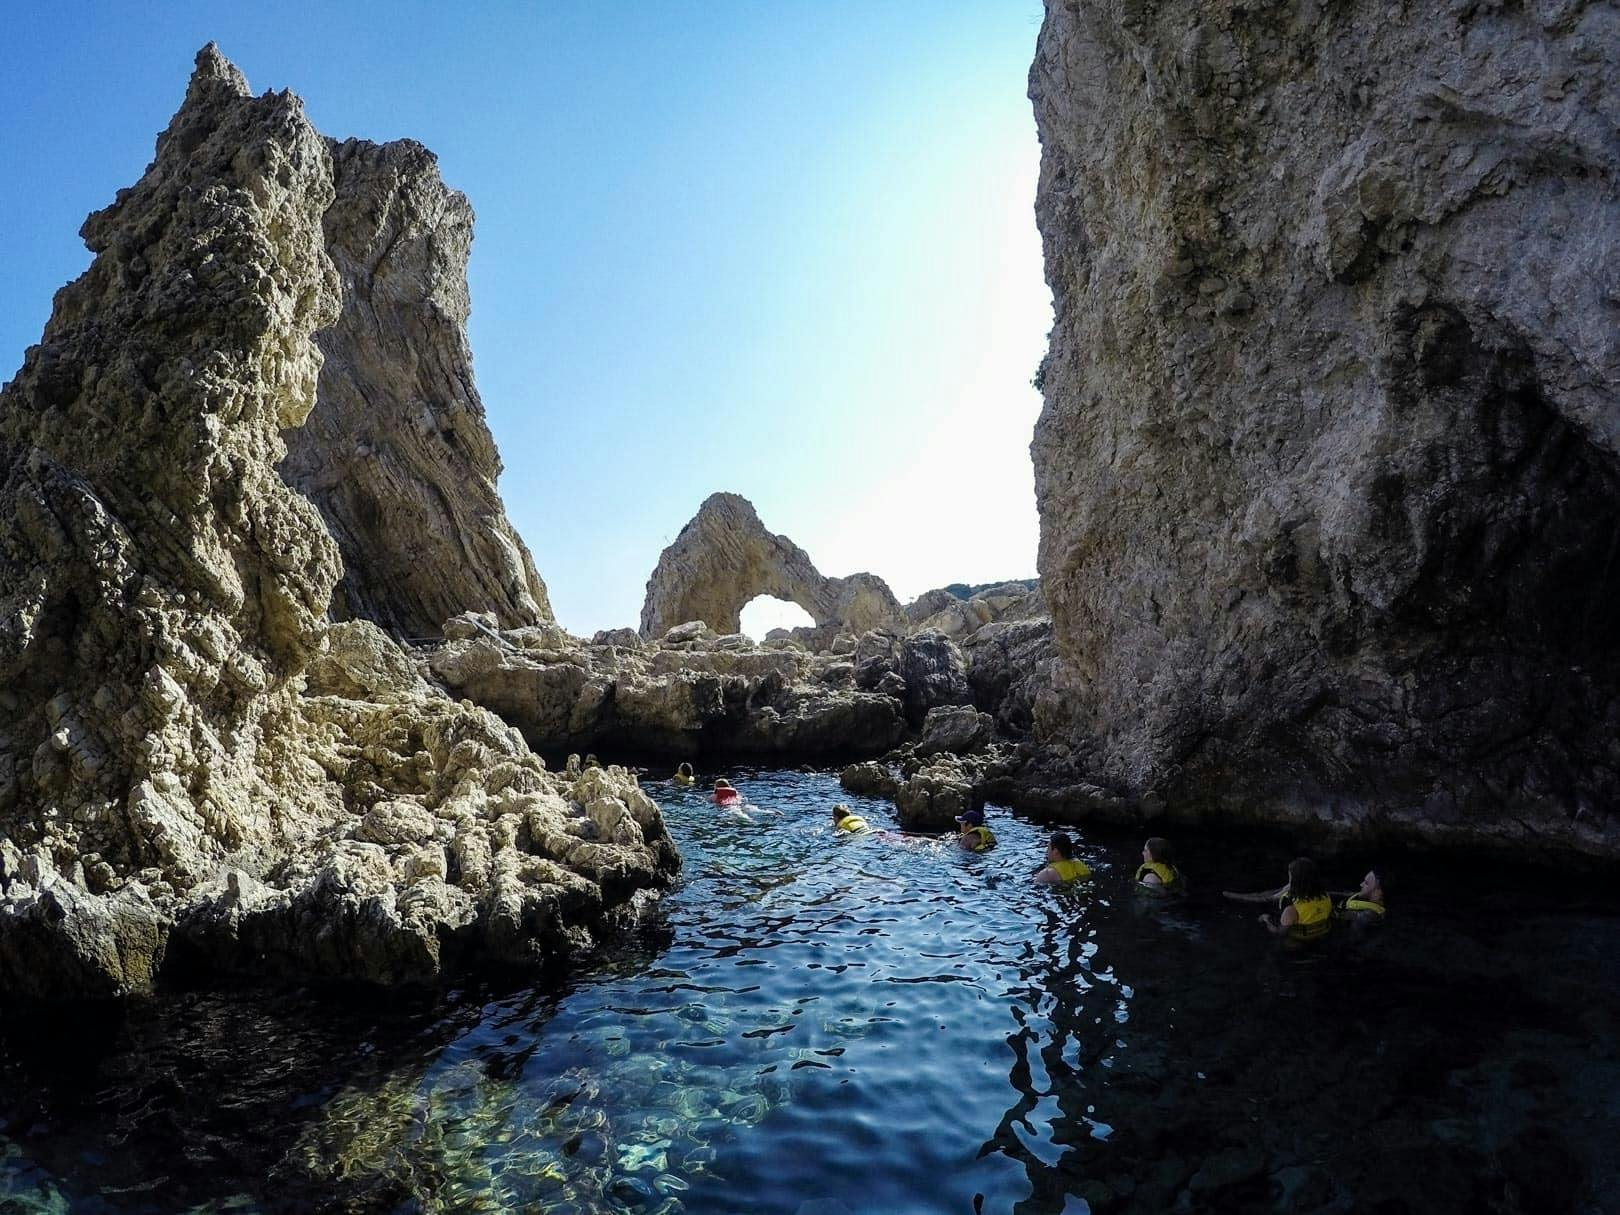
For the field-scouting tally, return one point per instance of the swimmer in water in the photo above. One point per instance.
(683, 775)
(845, 819)
(973, 835)
(1157, 874)
(1307, 909)
(1365, 906)
(725, 794)
(1061, 865)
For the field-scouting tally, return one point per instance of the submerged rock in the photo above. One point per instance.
(1328, 471)
(724, 557)
(195, 769)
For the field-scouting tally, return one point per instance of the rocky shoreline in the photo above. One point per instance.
(1327, 509)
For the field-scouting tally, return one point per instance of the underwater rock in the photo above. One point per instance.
(396, 453)
(1328, 471)
(191, 759)
(724, 557)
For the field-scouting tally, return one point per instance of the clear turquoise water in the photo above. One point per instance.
(821, 1025)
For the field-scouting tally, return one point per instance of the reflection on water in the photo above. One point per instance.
(823, 1025)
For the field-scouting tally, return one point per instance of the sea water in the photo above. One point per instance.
(819, 1024)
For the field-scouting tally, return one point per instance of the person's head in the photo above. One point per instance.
(841, 812)
(1157, 850)
(973, 818)
(1376, 881)
(722, 783)
(1060, 847)
(1304, 882)
(685, 769)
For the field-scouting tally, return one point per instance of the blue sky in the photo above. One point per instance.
(784, 249)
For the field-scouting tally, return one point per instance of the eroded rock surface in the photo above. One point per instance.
(1328, 466)
(172, 794)
(692, 691)
(396, 453)
(724, 557)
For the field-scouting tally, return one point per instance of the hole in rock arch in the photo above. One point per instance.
(763, 613)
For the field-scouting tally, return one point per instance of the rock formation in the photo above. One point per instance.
(1328, 466)
(172, 794)
(693, 691)
(724, 557)
(396, 453)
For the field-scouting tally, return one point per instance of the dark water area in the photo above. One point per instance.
(820, 1025)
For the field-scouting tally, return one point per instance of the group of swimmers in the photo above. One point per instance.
(1306, 911)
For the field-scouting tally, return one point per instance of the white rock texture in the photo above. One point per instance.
(1329, 466)
(396, 453)
(196, 772)
(724, 557)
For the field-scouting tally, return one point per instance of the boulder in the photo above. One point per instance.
(935, 674)
(870, 778)
(955, 728)
(932, 798)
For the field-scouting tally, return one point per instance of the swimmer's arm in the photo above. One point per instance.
(1046, 877)
(1282, 923)
(1255, 896)
(1151, 879)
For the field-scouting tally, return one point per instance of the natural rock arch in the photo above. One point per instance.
(724, 557)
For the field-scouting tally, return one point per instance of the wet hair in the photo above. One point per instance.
(841, 811)
(1159, 849)
(1304, 882)
(685, 769)
(1063, 844)
(1381, 872)
(722, 783)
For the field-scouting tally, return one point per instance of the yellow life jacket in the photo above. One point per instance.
(1166, 874)
(1069, 871)
(1354, 904)
(985, 838)
(852, 822)
(684, 780)
(1315, 916)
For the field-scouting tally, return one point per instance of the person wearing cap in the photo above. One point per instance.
(1061, 865)
(845, 819)
(972, 833)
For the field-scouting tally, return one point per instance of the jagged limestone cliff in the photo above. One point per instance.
(195, 769)
(1329, 466)
(396, 453)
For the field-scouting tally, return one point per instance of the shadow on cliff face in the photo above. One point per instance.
(1327, 468)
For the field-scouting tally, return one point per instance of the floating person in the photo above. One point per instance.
(1366, 905)
(725, 794)
(1157, 874)
(972, 834)
(845, 819)
(683, 776)
(1061, 863)
(1307, 908)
